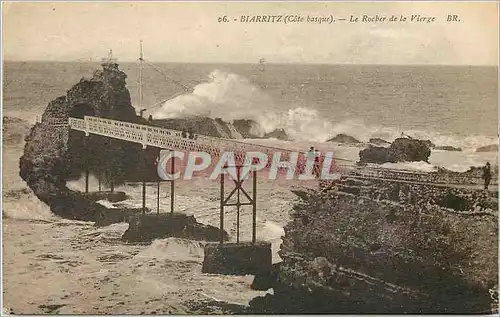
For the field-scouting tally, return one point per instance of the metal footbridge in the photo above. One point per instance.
(175, 140)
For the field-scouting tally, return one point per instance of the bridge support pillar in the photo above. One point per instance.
(86, 155)
(251, 201)
(144, 183)
(172, 188)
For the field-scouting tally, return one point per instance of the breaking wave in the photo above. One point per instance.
(231, 97)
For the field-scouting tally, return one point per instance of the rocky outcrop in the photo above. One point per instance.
(242, 258)
(347, 250)
(147, 227)
(488, 148)
(407, 150)
(376, 154)
(378, 141)
(52, 154)
(249, 129)
(448, 148)
(401, 150)
(219, 128)
(197, 125)
(344, 139)
(279, 134)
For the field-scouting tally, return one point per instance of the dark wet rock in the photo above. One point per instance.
(249, 129)
(408, 150)
(106, 217)
(488, 148)
(401, 150)
(53, 155)
(375, 154)
(107, 195)
(242, 258)
(378, 141)
(201, 125)
(197, 125)
(267, 280)
(279, 134)
(146, 228)
(448, 148)
(344, 138)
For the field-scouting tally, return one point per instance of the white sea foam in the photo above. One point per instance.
(230, 97)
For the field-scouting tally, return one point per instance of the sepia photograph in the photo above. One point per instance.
(248, 157)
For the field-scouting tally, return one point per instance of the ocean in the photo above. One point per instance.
(449, 105)
(53, 262)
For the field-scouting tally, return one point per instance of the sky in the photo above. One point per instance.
(190, 32)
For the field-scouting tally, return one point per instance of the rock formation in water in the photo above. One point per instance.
(53, 154)
(219, 128)
(344, 139)
(279, 134)
(249, 129)
(378, 141)
(407, 150)
(199, 125)
(347, 250)
(401, 150)
(488, 148)
(448, 148)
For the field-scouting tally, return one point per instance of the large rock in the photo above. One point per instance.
(378, 141)
(375, 154)
(238, 258)
(344, 139)
(249, 129)
(401, 150)
(52, 155)
(408, 150)
(219, 128)
(448, 148)
(279, 134)
(349, 252)
(147, 227)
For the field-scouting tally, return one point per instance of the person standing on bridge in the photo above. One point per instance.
(487, 175)
(316, 163)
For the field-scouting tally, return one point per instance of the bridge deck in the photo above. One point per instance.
(173, 140)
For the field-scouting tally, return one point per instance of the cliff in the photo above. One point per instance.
(381, 247)
(53, 154)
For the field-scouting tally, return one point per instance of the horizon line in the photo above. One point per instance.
(244, 63)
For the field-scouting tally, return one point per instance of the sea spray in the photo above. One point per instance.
(232, 97)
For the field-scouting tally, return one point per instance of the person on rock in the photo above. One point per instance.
(487, 175)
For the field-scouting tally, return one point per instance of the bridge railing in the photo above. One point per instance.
(174, 140)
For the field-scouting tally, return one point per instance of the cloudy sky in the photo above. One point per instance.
(190, 32)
